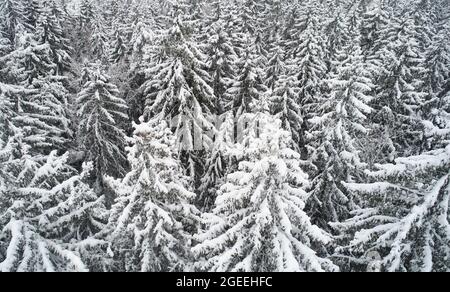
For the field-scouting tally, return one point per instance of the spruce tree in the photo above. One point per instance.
(178, 91)
(102, 118)
(341, 121)
(49, 211)
(258, 223)
(42, 111)
(221, 161)
(51, 32)
(400, 94)
(249, 85)
(285, 105)
(405, 220)
(11, 13)
(153, 215)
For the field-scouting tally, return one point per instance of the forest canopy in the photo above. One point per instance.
(225, 135)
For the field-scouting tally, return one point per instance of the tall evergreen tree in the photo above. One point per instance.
(400, 94)
(11, 12)
(102, 118)
(50, 31)
(249, 85)
(153, 215)
(49, 210)
(178, 91)
(42, 112)
(336, 130)
(406, 218)
(285, 105)
(222, 59)
(220, 162)
(258, 223)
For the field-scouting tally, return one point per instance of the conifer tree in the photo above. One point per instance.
(49, 210)
(153, 215)
(42, 112)
(118, 47)
(220, 162)
(437, 64)
(285, 106)
(50, 31)
(31, 14)
(258, 223)
(102, 117)
(249, 85)
(336, 131)
(276, 66)
(400, 94)
(11, 13)
(222, 59)
(406, 217)
(178, 91)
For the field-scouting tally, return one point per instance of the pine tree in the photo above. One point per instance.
(406, 217)
(306, 54)
(118, 47)
(400, 93)
(89, 36)
(11, 13)
(5, 44)
(99, 41)
(372, 23)
(143, 36)
(8, 136)
(285, 106)
(42, 111)
(222, 59)
(258, 223)
(31, 14)
(437, 63)
(50, 31)
(102, 118)
(336, 131)
(87, 14)
(153, 216)
(178, 91)
(220, 162)
(249, 17)
(272, 19)
(49, 213)
(276, 64)
(249, 84)
(337, 36)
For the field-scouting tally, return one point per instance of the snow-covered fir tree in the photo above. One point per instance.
(153, 216)
(222, 61)
(102, 117)
(336, 130)
(42, 111)
(258, 223)
(50, 31)
(220, 162)
(400, 93)
(249, 86)
(11, 12)
(285, 103)
(118, 49)
(49, 212)
(405, 220)
(306, 54)
(178, 91)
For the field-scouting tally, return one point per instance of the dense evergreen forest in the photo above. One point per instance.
(225, 135)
